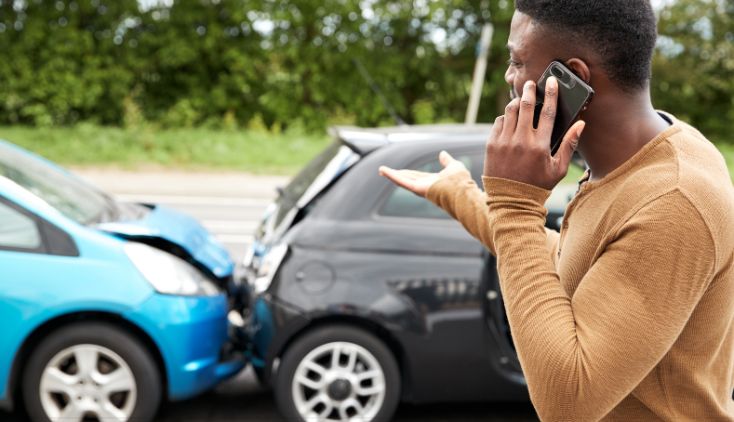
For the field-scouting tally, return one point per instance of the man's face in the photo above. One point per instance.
(530, 54)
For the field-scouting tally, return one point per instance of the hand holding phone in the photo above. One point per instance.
(517, 151)
(574, 95)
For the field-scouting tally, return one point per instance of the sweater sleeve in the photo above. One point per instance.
(460, 196)
(582, 355)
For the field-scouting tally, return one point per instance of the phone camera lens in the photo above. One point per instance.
(557, 72)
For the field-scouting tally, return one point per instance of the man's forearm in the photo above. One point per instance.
(460, 196)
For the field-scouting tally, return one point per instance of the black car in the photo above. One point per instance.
(364, 294)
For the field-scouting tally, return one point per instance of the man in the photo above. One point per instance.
(628, 313)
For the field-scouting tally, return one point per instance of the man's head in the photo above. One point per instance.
(603, 40)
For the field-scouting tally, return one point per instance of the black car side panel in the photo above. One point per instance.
(420, 280)
(431, 305)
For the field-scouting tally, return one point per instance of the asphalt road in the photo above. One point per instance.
(230, 205)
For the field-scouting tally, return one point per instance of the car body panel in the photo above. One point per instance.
(38, 288)
(33, 293)
(424, 285)
(180, 229)
(190, 333)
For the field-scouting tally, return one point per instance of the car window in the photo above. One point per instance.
(403, 203)
(72, 197)
(310, 181)
(17, 230)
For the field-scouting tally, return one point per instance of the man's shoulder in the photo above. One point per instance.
(695, 154)
(683, 159)
(681, 165)
(702, 174)
(700, 178)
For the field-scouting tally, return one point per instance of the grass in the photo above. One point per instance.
(253, 151)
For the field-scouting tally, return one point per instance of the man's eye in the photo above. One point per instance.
(513, 63)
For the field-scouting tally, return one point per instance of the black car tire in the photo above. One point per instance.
(105, 338)
(260, 376)
(322, 337)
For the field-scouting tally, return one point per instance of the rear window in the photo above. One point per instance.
(317, 174)
(61, 190)
(403, 203)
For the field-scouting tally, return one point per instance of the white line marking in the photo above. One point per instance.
(196, 200)
(235, 238)
(229, 225)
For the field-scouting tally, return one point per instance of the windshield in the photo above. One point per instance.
(72, 197)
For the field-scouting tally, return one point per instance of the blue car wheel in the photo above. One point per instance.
(91, 370)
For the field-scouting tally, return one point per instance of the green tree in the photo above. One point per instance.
(199, 60)
(64, 61)
(694, 64)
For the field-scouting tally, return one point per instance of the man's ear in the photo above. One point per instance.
(580, 68)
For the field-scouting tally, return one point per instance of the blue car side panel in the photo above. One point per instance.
(35, 288)
(190, 333)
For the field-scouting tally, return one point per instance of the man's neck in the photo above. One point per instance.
(617, 128)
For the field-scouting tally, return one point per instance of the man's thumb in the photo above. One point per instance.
(445, 158)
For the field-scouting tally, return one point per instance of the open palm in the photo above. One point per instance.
(419, 182)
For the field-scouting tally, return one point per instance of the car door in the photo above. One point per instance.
(24, 250)
(439, 269)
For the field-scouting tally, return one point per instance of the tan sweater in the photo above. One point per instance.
(628, 314)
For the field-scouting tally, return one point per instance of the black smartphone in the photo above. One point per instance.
(573, 96)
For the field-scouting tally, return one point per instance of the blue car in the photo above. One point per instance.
(107, 308)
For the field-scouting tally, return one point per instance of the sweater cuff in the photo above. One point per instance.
(447, 185)
(505, 188)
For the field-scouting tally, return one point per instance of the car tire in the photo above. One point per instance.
(90, 369)
(260, 376)
(337, 371)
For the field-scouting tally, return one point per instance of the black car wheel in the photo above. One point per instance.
(91, 371)
(338, 373)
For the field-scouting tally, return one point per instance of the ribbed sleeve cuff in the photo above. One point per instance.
(496, 187)
(447, 185)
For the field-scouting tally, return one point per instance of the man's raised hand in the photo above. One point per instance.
(419, 182)
(517, 151)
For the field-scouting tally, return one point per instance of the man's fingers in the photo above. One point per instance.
(509, 122)
(569, 145)
(400, 178)
(392, 174)
(495, 136)
(548, 114)
(527, 108)
(413, 174)
(497, 127)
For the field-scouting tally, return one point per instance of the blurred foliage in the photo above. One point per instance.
(278, 64)
(693, 72)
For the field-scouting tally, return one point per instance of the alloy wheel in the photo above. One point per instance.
(339, 381)
(87, 381)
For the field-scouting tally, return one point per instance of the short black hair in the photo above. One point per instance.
(621, 32)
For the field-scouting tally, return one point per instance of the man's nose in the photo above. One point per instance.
(509, 76)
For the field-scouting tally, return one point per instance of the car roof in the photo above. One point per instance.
(366, 140)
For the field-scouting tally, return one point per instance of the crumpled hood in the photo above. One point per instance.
(180, 229)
